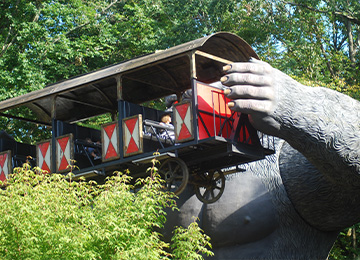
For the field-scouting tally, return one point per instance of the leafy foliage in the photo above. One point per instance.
(347, 244)
(187, 243)
(53, 217)
(44, 41)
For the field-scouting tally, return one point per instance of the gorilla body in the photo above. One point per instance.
(292, 204)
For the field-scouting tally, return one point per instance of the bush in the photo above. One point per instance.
(47, 216)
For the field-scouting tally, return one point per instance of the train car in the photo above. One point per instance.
(204, 140)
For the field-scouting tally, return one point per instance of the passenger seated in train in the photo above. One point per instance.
(167, 133)
(159, 132)
(94, 152)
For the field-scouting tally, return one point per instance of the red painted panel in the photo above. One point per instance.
(44, 158)
(110, 141)
(64, 152)
(4, 166)
(132, 135)
(213, 112)
(183, 122)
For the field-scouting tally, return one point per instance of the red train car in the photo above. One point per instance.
(205, 139)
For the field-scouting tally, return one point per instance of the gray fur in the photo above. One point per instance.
(292, 204)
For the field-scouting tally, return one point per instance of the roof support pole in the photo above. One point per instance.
(193, 65)
(213, 57)
(121, 113)
(54, 134)
(194, 102)
(53, 107)
(119, 87)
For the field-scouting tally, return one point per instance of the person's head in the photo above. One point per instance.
(166, 119)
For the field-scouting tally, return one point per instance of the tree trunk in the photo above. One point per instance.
(354, 244)
(351, 42)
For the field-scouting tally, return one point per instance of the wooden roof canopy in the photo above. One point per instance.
(141, 79)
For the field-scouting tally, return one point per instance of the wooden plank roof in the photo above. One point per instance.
(144, 78)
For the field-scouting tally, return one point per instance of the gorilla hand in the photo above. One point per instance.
(256, 88)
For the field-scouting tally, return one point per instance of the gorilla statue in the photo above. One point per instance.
(292, 204)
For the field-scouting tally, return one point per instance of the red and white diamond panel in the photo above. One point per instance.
(110, 137)
(183, 122)
(43, 156)
(64, 154)
(132, 133)
(5, 165)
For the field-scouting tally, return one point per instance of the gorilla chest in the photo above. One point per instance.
(244, 214)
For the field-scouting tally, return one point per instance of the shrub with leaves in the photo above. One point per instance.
(188, 243)
(46, 216)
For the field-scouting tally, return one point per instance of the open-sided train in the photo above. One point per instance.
(206, 137)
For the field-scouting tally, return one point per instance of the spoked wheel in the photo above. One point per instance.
(176, 174)
(210, 186)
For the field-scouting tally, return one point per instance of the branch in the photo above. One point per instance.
(356, 45)
(348, 18)
(318, 38)
(343, 40)
(7, 46)
(36, 18)
(351, 43)
(87, 23)
(336, 12)
(110, 5)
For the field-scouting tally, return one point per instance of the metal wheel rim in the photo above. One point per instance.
(176, 175)
(213, 188)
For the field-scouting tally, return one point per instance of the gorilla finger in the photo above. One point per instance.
(254, 66)
(248, 91)
(245, 79)
(251, 106)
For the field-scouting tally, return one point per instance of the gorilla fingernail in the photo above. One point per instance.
(231, 104)
(227, 90)
(226, 67)
(224, 78)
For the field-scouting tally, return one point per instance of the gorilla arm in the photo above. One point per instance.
(322, 124)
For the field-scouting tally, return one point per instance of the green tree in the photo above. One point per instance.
(321, 37)
(44, 41)
(56, 40)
